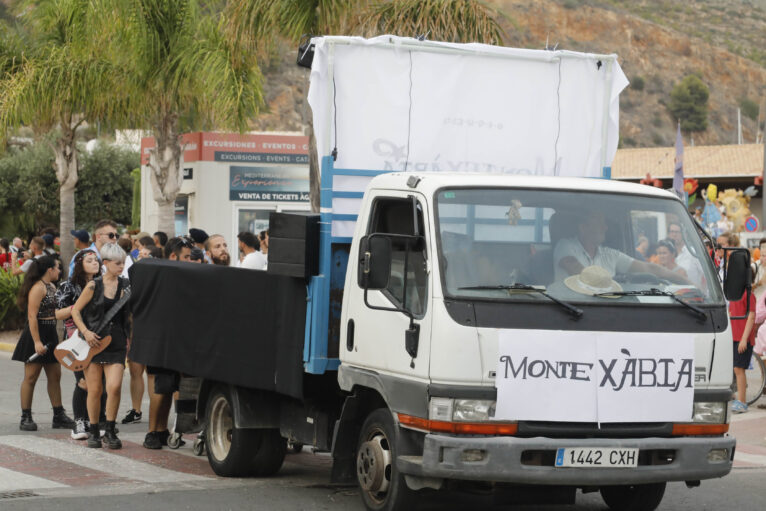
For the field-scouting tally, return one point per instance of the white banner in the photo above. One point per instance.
(595, 376)
(401, 104)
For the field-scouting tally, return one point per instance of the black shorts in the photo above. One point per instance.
(742, 360)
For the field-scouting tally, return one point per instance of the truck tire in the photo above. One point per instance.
(229, 449)
(638, 497)
(294, 447)
(270, 455)
(381, 485)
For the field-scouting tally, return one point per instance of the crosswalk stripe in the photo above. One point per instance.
(11, 480)
(98, 459)
(755, 459)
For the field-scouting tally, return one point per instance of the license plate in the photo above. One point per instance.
(596, 457)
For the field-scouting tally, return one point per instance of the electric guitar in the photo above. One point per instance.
(75, 353)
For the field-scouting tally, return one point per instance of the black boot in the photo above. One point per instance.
(27, 424)
(60, 419)
(110, 439)
(94, 437)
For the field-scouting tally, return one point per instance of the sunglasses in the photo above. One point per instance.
(110, 235)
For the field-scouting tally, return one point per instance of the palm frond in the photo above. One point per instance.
(462, 21)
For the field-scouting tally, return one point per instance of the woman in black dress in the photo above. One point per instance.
(86, 267)
(37, 297)
(98, 297)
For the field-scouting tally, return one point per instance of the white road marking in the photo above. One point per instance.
(98, 459)
(10, 480)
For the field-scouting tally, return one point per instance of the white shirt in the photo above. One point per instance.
(28, 263)
(128, 264)
(608, 258)
(254, 261)
(691, 266)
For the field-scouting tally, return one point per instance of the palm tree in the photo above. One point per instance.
(258, 21)
(181, 74)
(54, 81)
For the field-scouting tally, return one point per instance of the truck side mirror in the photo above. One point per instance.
(737, 278)
(374, 262)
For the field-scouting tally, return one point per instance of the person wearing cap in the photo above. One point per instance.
(81, 242)
(199, 237)
(572, 255)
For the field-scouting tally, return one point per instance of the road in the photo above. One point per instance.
(46, 470)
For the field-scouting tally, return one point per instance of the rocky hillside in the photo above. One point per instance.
(658, 43)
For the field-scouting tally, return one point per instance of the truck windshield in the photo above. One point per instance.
(577, 246)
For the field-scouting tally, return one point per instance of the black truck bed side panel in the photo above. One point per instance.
(237, 326)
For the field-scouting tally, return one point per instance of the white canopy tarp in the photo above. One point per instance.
(394, 103)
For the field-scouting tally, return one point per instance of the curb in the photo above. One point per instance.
(7, 346)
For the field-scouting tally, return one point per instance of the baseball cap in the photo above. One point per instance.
(198, 235)
(81, 235)
(140, 235)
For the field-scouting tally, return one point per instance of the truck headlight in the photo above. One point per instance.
(473, 410)
(440, 409)
(461, 410)
(710, 413)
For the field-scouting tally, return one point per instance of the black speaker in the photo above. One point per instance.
(294, 244)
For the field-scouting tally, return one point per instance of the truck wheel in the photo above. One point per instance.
(381, 485)
(270, 455)
(638, 497)
(229, 449)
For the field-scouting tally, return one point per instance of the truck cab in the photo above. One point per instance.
(442, 266)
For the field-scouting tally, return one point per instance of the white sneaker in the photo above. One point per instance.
(79, 432)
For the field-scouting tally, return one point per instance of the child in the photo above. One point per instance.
(743, 333)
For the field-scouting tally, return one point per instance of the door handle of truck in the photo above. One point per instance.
(350, 335)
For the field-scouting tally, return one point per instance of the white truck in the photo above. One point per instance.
(431, 334)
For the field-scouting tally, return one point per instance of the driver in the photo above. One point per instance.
(572, 255)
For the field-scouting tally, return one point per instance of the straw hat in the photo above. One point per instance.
(591, 281)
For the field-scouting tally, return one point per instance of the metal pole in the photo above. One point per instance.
(762, 227)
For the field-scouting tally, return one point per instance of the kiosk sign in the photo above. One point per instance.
(595, 376)
(275, 184)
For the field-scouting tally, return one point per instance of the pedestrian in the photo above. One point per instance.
(160, 238)
(6, 256)
(249, 245)
(137, 242)
(150, 251)
(97, 299)
(49, 249)
(39, 337)
(176, 249)
(81, 240)
(218, 250)
(17, 245)
(36, 247)
(86, 267)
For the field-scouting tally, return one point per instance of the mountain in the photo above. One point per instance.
(658, 42)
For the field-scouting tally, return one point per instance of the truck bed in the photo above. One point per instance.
(237, 326)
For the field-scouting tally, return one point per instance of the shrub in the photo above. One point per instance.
(10, 316)
(688, 102)
(749, 108)
(638, 83)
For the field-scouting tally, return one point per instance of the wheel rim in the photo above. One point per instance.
(373, 465)
(220, 429)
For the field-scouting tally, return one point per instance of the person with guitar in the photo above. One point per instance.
(104, 297)
(39, 338)
(86, 266)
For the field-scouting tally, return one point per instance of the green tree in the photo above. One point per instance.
(62, 79)
(689, 103)
(180, 73)
(105, 189)
(28, 189)
(256, 23)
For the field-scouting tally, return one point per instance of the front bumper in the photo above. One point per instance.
(443, 457)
